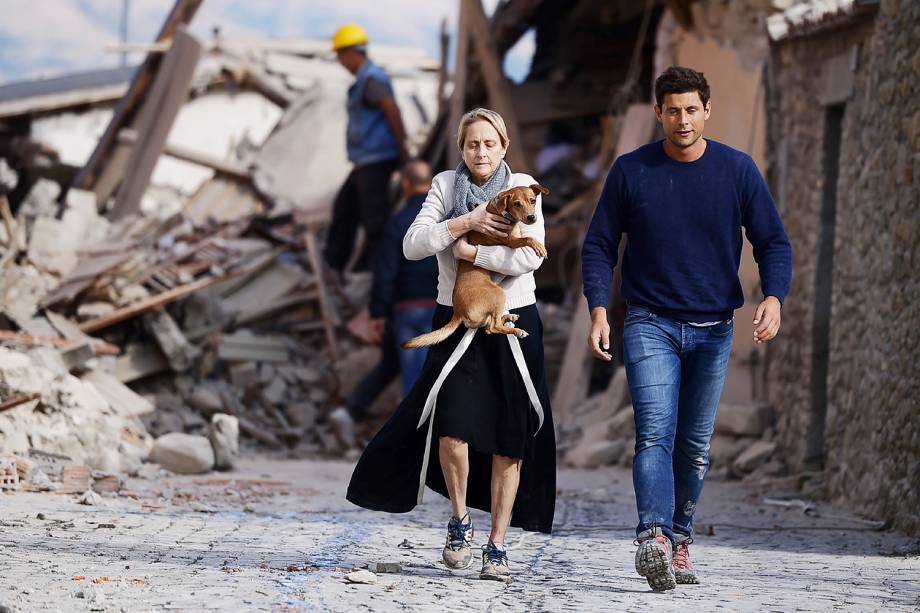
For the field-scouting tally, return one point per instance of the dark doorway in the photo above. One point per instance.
(824, 274)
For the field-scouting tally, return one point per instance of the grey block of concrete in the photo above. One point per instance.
(224, 434)
(183, 453)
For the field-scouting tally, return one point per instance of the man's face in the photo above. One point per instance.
(683, 117)
(350, 59)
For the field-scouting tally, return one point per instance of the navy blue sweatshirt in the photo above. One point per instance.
(683, 223)
(395, 278)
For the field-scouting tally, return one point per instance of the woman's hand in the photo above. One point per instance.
(463, 250)
(481, 220)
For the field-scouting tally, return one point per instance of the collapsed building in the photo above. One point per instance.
(160, 246)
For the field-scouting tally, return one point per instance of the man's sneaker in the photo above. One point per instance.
(653, 560)
(683, 567)
(457, 553)
(494, 564)
(344, 426)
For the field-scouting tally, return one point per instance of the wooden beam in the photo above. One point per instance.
(155, 120)
(129, 136)
(151, 303)
(442, 69)
(181, 13)
(633, 129)
(315, 264)
(99, 347)
(15, 401)
(497, 85)
(457, 97)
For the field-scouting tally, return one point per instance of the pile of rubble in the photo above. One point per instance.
(202, 322)
(161, 286)
(601, 432)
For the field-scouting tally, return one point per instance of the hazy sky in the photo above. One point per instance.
(45, 38)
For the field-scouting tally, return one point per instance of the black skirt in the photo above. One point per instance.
(484, 402)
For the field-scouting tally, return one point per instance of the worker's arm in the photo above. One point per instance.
(394, 118)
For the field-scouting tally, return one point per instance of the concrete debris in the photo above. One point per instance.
(723, 449)
(69, 418)
(106, 483)
(224, 434)
(595, 454)
(206, 400)
(149, 470)
(743, 419)
(385, 567)
(93, 310)
(752, 457)
(90, 498)
(361, 576)
(598, 434)
(40, 482)
(183, 453)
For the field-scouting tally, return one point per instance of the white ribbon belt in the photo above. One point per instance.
(431, 401)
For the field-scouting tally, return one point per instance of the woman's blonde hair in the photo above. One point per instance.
(481, 114)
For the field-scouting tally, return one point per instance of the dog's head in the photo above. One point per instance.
(519, 204)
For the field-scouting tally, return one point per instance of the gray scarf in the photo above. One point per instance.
(468, 195)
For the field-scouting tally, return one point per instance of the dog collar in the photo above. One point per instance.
(508, 216)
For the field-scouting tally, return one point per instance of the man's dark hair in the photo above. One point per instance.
(680, 80)
(418, 172)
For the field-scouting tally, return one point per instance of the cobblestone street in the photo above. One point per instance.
(278, 536)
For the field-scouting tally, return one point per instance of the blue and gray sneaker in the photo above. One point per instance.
(457, 553)
(494, 563)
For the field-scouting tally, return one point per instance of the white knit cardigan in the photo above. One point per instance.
(428, 235)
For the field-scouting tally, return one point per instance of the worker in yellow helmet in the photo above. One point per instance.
(376, 142)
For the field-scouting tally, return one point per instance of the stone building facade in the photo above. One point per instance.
(843, 146)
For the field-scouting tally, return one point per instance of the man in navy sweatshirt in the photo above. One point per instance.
(402, 306)
(682, 203)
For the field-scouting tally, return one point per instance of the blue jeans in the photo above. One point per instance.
(408, 323)
(675, 373)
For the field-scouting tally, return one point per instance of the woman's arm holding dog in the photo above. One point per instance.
(514, 262)
(428, 234)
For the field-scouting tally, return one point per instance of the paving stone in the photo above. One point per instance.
(751, 557)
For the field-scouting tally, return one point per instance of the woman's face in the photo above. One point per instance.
(482, 150)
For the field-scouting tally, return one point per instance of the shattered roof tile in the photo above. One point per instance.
(803, 18)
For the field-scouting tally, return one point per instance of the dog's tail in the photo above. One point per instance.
(435, 336)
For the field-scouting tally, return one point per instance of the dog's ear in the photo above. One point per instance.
(537, 188)
(504, 199)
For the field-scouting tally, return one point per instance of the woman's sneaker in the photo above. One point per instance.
(494, 564)
(683, 567)
(653, 560)
(457, 553)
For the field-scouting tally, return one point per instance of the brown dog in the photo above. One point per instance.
(478, 301)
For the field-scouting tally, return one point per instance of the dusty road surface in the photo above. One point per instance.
(278, 536)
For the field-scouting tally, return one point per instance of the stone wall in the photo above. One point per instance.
(872, 425)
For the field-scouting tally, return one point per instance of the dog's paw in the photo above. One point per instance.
(539, 249)
(523, 334)
(513, 317)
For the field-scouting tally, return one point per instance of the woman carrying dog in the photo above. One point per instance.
(477, 426)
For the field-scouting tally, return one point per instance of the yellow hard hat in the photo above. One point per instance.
(349, 35)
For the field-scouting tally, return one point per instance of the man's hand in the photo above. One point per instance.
(375, 329)
(599, 337)
(463, 250)
(767, 319)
